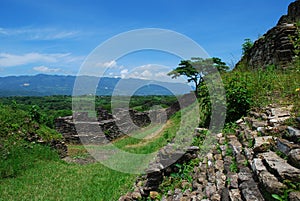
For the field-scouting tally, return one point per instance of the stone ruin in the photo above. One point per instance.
(265, 153)
(80, 128)
(276, 46)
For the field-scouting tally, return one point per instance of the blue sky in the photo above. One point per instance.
(55, 36)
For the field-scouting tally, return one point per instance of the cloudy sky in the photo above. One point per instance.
(56, 36)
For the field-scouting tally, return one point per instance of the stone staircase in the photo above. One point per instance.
(260, 159)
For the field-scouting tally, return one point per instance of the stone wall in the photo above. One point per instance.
(275, 47)
(80, 128)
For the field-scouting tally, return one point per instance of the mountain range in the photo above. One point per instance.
(46, 85)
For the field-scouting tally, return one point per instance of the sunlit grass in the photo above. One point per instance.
(54, 179)
(57, 180)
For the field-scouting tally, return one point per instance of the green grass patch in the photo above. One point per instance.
(34, 172)
(56, 180)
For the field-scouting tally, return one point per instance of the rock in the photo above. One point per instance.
(215, 197)
(235, 195)
(219, 135)
(218, 157)
(244, 174)
(255, 114)
(236, 146)
(60, 147)
(177, 195)
(136, 195)
(250, 191)
(271, 183)
(258, 166)
(298, 119)
(273, 48)
(280, 167)
(193, 149)
(294, 158)
(280, 112)
(210, 189)
(220, 180)
(293, 133)
(184, 199)
(285, 146)
(233, 178)
(219, 165)
(256, 124)
(225, 194)
(153, 194)
(227, 163)
(211, 175)
(262, 144)
(248, 153)
(126, 197)
(185, 184)
(239, 121)
(294, 196)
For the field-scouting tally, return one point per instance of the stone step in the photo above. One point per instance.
(280, 167)
(286, 146)
(268, 180)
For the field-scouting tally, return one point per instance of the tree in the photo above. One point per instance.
(196, 68)
(247, 45)
(220, 65)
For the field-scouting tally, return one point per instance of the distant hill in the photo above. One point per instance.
(46, 85)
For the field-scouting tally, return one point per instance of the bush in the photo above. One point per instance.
(238, 97)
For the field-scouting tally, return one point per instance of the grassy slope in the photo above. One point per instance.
(53, 179)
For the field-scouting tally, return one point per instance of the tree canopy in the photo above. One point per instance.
(196, 68)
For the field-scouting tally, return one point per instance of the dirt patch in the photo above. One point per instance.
(153, 136)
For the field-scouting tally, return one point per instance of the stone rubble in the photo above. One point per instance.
(246, 165)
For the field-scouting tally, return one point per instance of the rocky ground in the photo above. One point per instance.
(261, 159)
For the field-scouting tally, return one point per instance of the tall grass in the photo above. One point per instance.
(269, 86)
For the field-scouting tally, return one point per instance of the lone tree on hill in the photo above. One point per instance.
(196, 68)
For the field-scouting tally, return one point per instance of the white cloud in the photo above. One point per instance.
(30, 33)
(155, 72)
(146, 74)
(108, 64)
(9, 60)
(45, 69)
(124, 73)
(2, 31)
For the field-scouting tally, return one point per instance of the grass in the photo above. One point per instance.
(57, 180)
(271, 86)
(49, 178)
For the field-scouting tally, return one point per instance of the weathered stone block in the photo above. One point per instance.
(294, 158)
(262, 144)
(280, 167)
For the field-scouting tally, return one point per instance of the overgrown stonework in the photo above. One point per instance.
(83, 129)
(86, 130)
(276, 46)
(258, 161)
